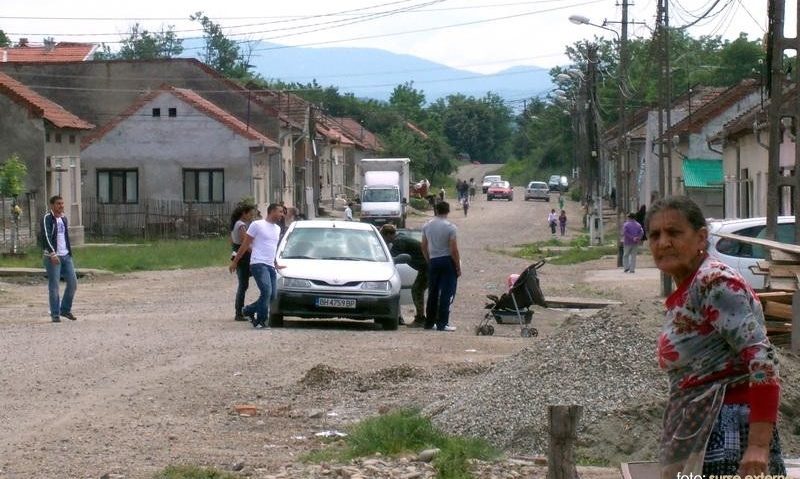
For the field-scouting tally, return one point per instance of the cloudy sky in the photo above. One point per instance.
(479, 35)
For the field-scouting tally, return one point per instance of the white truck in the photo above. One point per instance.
(384, 192)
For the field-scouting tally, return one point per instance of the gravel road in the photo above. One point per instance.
(150, 373)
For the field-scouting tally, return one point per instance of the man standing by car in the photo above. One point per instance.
(58, 260)
(440, 248)
(262, 238)
(405, 244)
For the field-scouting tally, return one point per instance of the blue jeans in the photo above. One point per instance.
(629, 256)
(442, 282)
(265, 277)
(243, 277)
(63, 269)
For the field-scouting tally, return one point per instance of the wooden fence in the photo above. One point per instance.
(155, 219)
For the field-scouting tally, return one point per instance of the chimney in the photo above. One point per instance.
(23, 42)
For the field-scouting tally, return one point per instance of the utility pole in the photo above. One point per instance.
(777, 112)
(665, 105)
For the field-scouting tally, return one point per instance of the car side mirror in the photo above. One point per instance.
(402, 258)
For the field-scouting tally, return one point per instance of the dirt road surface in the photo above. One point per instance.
(150, 373)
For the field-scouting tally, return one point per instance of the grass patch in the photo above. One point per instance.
(147, 256)
(192, 472)
(576, 250)
(406, 431)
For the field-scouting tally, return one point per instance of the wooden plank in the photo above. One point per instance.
(778, 310)
(756, 269)
(784, 297)
(783, 284)
(788, 248)
(784, 270)
(778, 256)
(579, 303)
(795, 343)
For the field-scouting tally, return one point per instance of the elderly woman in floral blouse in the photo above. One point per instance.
(724, 388)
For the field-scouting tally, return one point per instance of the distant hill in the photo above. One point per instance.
(373, 73)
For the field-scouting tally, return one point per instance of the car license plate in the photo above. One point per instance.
(336, 303)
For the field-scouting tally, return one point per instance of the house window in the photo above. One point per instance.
(72, 139)
(203, 186)
(58, 137)
(118, 186)
(156, 112)
(47, 136)
(173, 112)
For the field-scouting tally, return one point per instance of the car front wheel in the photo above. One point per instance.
(390, 323)
(275, 320)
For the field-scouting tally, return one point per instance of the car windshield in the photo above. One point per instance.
(334, 244)
(537, 186)
(500, 184)
(491, 179)
(381, 195)
(555, 179)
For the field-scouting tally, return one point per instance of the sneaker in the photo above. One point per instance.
(258, 326)
(69, 316)
(240, 317)
(626, 271)
(401, 321)
(55, 319)
(416, 324)
(449, 328)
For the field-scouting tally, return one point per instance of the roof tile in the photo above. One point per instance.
(60, 52)
(41, 106)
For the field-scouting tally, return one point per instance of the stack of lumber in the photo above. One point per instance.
(781, 301)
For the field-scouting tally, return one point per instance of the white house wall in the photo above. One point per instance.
(161, 147)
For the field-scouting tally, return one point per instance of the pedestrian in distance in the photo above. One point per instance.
(724, 388)
(472, 188)
(562, 222)
(348, 212)
(552, 221)
(465, 204)
(261, 240)
(632, 233)
(241, 218)
(58, 262)
(441, 194)
(640, 216)
(407, 245)
(560, 200)
(440, 248)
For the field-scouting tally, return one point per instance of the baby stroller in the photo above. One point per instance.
(515, 303)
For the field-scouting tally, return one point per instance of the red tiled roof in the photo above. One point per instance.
(332, 133)
(719, 103)
(416, 130)
(195, 100)
(60, 52)
(360, 134)
(41, 106)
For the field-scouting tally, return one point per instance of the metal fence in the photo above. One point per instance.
(27, 222)
(155, 219)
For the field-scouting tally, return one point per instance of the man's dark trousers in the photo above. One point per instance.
(442, 282)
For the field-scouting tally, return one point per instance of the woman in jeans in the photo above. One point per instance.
(240, 219)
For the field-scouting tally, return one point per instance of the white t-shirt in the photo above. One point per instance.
(265, 241)
(61, 242)
(348, 214)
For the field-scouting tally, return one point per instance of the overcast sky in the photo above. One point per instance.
(479, 35)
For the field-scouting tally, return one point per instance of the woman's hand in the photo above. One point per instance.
(754, 461)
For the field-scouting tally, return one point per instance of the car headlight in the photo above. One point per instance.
(296, 283)
(376, 285)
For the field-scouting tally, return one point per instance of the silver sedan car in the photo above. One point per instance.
(336, 269)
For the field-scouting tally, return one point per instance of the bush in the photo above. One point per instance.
(419, 204)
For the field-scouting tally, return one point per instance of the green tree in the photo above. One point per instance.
(480, 128)
(12, 183)
(142, 44)
(408, 102)
(222, 53)
(4, 40)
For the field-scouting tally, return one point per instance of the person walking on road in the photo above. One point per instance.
(261, 240)
(240, 219)
(632, 233)
(406, 245)
(552, 221)
(348, 212)
(58, 260)
(440, 248)
(562, 222)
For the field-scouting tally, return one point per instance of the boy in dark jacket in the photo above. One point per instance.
(58, 260)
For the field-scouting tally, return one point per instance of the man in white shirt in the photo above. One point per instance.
(348, 212)
(262, 239)
(58, 260)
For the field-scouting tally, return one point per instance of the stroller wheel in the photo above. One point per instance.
(525, 333)
(478, 330)
(489, 330)
(534, 332)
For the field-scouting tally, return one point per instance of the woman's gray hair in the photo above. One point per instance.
(684, 205)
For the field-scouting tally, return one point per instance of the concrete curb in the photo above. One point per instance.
(40, 272)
